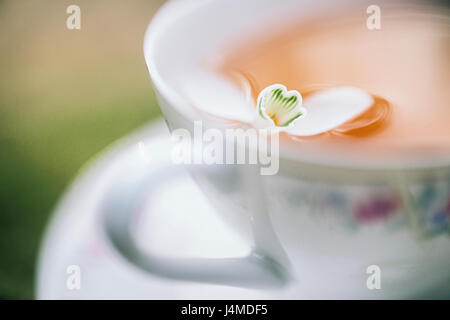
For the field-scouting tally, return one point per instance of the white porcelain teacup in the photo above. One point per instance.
(322, 222)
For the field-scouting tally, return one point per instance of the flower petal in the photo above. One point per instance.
(218, 96)
(329, 108)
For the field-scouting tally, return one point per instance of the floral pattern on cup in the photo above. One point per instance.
(367, 206)
(433, 199)
(377, 208)
(350, 208)
(441, 217)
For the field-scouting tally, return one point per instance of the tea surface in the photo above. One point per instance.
(405, 65)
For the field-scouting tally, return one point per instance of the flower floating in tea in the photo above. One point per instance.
(319, 112)
(276, 107)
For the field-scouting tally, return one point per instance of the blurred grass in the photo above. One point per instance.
(64, 95)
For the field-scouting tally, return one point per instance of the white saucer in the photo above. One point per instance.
(178, 222)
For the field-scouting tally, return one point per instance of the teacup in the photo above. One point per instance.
(321, 222)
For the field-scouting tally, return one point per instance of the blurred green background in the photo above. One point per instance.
(64, 96)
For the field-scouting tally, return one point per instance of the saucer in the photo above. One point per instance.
(177, 222)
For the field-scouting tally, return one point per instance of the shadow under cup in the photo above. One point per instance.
(325, 223)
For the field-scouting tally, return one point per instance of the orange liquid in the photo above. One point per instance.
(405, 66)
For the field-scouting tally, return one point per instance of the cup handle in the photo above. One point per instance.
(257, 270)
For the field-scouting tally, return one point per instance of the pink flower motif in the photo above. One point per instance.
(377, 208)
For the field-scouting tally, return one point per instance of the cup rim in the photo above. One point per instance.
(174, 10)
